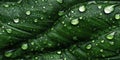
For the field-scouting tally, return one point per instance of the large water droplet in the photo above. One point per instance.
(8, 53)
(82, 8)
(28, 12)
(74, 21)
(109, 9)
(24, 46)
(117, 16)
(16, 20)
(60, 1)
(88, 46)
(110, 36)
(9, 30)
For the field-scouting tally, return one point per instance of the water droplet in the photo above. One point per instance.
(80, 17)
(93, 41)
(16, 20)
(60, 13)
(101, 14)
(102, 41)
(59, 52)
(99, 6)
(24, 46)
(111, 43)
(88, 46)
(9, 30)
(32, 43)
(6, 5)
(109, 9)
(28, 12)
(36, 57)
(65, 59)
(41, 18)
(117, 16)
(8, 53)
(110, 36)
(19, 1)
(35, 20)
(75, 38)
(82, 8)
(44, 7)
(101, 50)
(60, 1)
(75, 22)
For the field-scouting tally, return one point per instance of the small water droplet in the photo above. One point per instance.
(110, 36)
(36, 57)
(101, 50)
(24, 46)
(65, 59)
(102, 41)
(101, 14)
(6, 5)
(59, 52)
(75, 38)
(19, 1)
(32, 43)
(80, 17)
(111, 43)
(88, 46)
(44, 7)
(99, 6)
(117, 16)
(35, 20)
(28, 12)
(82, 8)
(60, 13)
(8, 53)
(75, 22)
(109, 9)
(9, 30)
(16, 20)
(60, 1)
(93, 41)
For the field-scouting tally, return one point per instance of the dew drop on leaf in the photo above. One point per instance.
(6, 5)
(9, 30)
(109, 9)
(117, 16)
(60, 13)
(59, 52)
(110, 36)
(8, 53)
(111, 43)
(24, 46)
(74, 21)
(102, 41)
(89, 46)
(16, 20)
(35, 20)
(60, 1)
(82, 8)
(101, 50)
(99, 6)
(28, 12)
